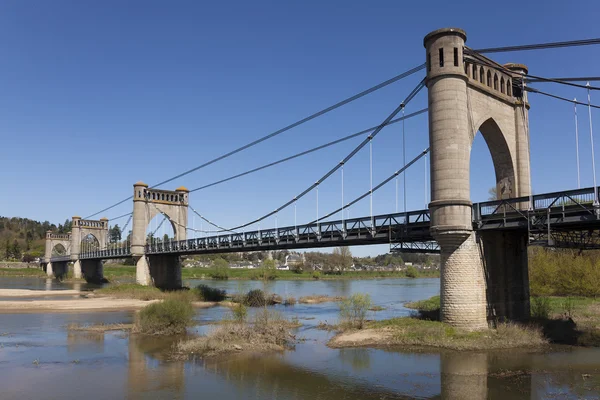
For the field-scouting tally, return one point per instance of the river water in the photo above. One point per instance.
(39, 358)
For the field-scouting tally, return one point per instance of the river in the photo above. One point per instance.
(39, 358)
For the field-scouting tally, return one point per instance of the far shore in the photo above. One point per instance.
(118, 271)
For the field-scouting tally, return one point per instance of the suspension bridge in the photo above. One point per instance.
(483, 246)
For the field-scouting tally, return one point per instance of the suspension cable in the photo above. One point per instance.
(538, 46)
(562, 82)
(532, 90)
(381, 184)
(282, 130)
(210, 222)
(412, 94)
(303, 153)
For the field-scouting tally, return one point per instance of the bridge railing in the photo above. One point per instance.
(356, 228)
(107, 253)
(570, 203)
(60, 258)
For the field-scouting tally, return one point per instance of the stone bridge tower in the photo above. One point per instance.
(160, 270)
(97, 230)
(483, 275)
(58, 245)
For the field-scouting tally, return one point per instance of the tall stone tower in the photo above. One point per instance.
(467, 95)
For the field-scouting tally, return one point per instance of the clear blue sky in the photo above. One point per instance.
(95, 96)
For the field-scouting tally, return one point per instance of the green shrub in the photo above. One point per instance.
(316, 275)
(411, 272)
(540, 307)
(208, 293)
(171, 316)
(353, 310)
(220, 269)
(240, 312)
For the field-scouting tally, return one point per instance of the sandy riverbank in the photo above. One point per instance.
(76, 304)
(38, 293)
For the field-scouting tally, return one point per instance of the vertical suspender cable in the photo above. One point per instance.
(577, 145)
(343, 195)
(295, 215)
(403, 158)
(592, 143)
(371, 177)
(425, 181)
(318, 208)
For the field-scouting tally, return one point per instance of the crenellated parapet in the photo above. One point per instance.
(58, 236)
(91, 224)
(158, 196)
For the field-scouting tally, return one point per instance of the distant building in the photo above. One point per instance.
(293, 260)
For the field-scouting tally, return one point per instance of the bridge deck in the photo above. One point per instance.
(564, 219)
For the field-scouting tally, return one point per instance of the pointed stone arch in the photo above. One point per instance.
(59, 250)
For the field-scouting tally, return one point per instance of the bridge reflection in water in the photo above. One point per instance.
(352, 374)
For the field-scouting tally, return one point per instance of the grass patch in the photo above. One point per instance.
(115, 271)
(22, 272)
(409, 331)
(132, 291)
(431, 304)
(99, 327)
(169, 317)
(376, 308)
(269, 331)
(317, 299)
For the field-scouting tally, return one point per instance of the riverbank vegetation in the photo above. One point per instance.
(567, 320)
(554, 272)
(23, 272)
(134, 291)
(408, 331)
(268, 331)
(354, 330)
(171, 316)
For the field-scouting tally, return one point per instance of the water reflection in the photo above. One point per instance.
(150, 370)
(272, 377)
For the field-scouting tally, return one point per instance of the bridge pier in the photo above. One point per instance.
(92, 271)
(160, 270)
(507, 274)
(57, 269)
(77, 274)
(462, 282)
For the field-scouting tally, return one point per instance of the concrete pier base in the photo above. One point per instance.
(77, 274)
(462, 293)
(142, 272)
(162, 271)
(505, 257)
(92, 270)
(49, 270)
